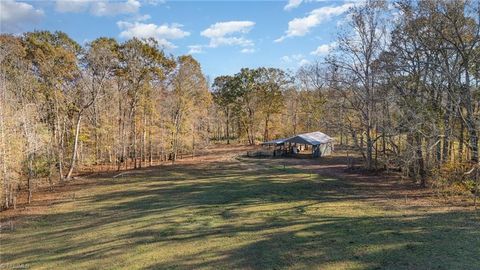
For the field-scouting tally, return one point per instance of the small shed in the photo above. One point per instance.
(277, 145)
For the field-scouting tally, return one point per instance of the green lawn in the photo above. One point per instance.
(240, 214)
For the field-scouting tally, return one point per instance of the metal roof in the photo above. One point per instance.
(277, 141)
(312, 138)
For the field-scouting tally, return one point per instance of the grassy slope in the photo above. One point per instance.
(238, 214)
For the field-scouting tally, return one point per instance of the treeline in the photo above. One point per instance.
(401, 86)
(106, 103)
(409, 87)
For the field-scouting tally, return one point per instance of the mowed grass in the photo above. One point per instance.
(239, 214)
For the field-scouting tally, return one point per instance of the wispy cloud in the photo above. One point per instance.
(194, 49)
(75, 6)
(323, 49)
(14, 15)
(98, 7)
(292, 58)
(161, 33)
(301, 26)
(229, 33)
(247, 50)
(295, 60)
(292, 4)
(303, 62)
(155, 2)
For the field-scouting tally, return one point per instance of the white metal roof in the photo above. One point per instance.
(277, 141)
(312, 138)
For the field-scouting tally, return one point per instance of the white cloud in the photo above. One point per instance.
(14, 15)
(75, 6)
(142, 18)
(98, 7)
(105, 8)
(247, 50)
(155, 2)
(162, 33)
(301, 26)
(195, 49)
(296, 3)
(292, 58)
(229, 33)
(324, 49)
(230, 41)
(292, 4)
(295, 60)
(221, 29)
(303, 62)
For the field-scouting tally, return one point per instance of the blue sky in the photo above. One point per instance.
(223, 36)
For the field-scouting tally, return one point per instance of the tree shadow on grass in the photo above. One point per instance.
(432, 241)
(197, 204)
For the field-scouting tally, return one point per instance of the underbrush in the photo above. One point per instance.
(452, 180)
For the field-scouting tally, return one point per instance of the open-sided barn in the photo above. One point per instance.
(316, 143)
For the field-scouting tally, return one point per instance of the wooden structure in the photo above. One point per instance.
(314, 144)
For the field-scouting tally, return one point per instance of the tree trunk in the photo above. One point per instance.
(461, 142)
(369, 150)
(447, 130)
(265, 134)
(95, 130)
(470, 118)
(228, 125)
(193, 141)
(175, 137)
(143, 141)
(58, 135)
(150, 159)
(6, 180)
(134, 136)
(295, 122)
(120, 152)
(30, 176)
(75, 146)
(421, 162)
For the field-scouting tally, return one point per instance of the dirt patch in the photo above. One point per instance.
(378, 187)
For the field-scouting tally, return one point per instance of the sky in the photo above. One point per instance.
(224, 36)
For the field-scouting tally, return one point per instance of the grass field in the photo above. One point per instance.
(243, 214)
